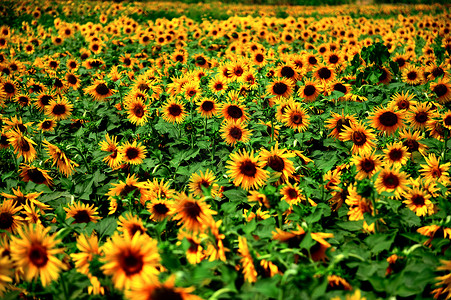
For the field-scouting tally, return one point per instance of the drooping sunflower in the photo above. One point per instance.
(201, 180)
(137, 111)
(130, 225)
(99, 90)
(442, 90)
(110, 145)
(34, 250)
(337, 123)
(385, 77)
(396, 154)
(281, 88)
(235, 131)
(391, 179)
(174, 111)
(367, 164)
(433, 171)
(419, 201)
(246, 171)
(82, 213)
(358, 206)
(310, 90)
(402, 101)
(362, 138)
(193, 214)
(207, 107)
(130, 259)
(296, 117)
(247, 263)
(278, 160)
(444, 281)
(64, 164)
(386, 120)
(34, 174)
(59, 108)
(419, 115)
(133, 153)
(22, 145)
(234, 111)
(89, 248)
(160, 209)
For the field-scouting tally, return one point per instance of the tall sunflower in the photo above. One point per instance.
(392, 179)
(34, 250)
(36, 175)
(174, 111)
(386, 120)
(361, 137)
(99, 90)
(193, 214)
(296, 117)
(367, 164)
(22, 145)
(82, 213)
(129, 259)
(133, 153)
(245, 170)
(235, 131)
(201, 180)
(59, 108)
(278, 160)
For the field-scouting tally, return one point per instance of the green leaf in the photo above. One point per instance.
(409, 217)
(351, 225)
(106, 227)
(379, 242)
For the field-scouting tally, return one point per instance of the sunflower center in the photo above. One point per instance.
(401, 62)
(287, 72)
(384, 75)
(390, 181)
(160, 208)
(333, 59)
(234, 112)
(9, 88)
(59, 109)
(447, 121)
(218, 86)
(296, 118)
(58, 83)
(358, 138)
(72, 65)
(207, 105)
(72, 79)
(412, 145)
(309, 90)
(191, 93)
(36, 88)
(36, 176)
(236, 133)
(440, 90)
(238, 71)
(248, 168)
(324, 73)
(192, 209)
(280, 88)
(418, 200)
(6, 220)
(138, 111)
(388, 119)
(82, 216)
(412, 75)
(102, 89)
(23, 100)
(421, 117)
(340, 87)
(437, 72)
(46, 125)
(132, 153)
(201, 61)
(367, 165)
(38, 255)
(403, 104)
(134, 228)
(276, 163)
(131, 263)
(292, 193)
(24, 145)
(53, 64)
(175, 110)
(164, 293)
(179, 58)
(341, 123)
(45, 99)
(436, 173)
(259, 58)
(395, 155)
(312, 60)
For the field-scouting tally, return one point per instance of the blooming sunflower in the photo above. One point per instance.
(447, 119)
(419, 201)
(402, 101)
(131, 185)
(59, 108)
(133, 153)
(411, 75)
(386, 120)
(361, 137)
(278, 160)
(110, 145)
(296, 117)
(396, 154)
(47, 125)
(130, 258)
(419, 115)
(160, 209)
(34, 250)
(43, 100)
(193, 214)
(411, 141)
(65, 165)
(337, 123)
(130, 225)
(246, 171)
(444, 280)
(23, 146)
(292, 194)
(235, 131)
(310, 90)
(233, 111)
(367, 164)
(174, 111)
(281, 88)
(82, 213)
(391, 179)
(9, 221)
(99, 90)
(433, 171)
(72, 80)
(34, 174)
(218, 85)
(89, 248)
(434, 231)
(201, 180)
(207, 107)
(323, 73)
(137, 111)
(442, 90)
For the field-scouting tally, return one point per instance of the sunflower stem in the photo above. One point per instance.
(205, 127)
(64, 284)
(88, 169)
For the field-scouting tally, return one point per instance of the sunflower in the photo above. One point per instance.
(99, 90)
(402, 101)
(23, 99)
(442, 90)
(361, 137)
(288, 71)
(8, 219)
(89, 248)
(9, 88)
(160, 209)
(391, 179)
(65, 165)
(160, 189)
(396, 154)
(174, 111)
(193, 214)
(82, 213)
(59, 108)
(319, 249)
(247, 263)
(311, 61)
(433, 171)
(130, 259)
(310, 90)
(333, 59)
(154, 290)
(385, 77)
(338, 122)
(411, 140)
(436, 127)
(358, 206)
(133, 153)
(23, 146)
(218, 85)
(110, 145)
(207, 107)
(43, 100)
(444, 280)
(386, 120)
(234, 111)
(296, 117)
(323, 73)
(278, 160)
(34, 251)
(195, 252)
(235, 131)
(122, 189)
(20, 199)
(180, 56)
(201, 180)
(292, 194)
(72, 80)
(246, 171)
(137, 111)
(72, 64)
(411, 76)
(130, 225)
(6, 273)
(34, 174)
(337, 85)
(367, 164)
(281, 88)
(447, 120)
(259, 58)
(419, 115)
(338, 283)
(418, 201)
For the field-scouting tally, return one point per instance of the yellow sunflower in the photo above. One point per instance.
(22, 145)
(133, 153)
(201, 180)
(82, 213)
(59, 108)
(246, 171)
(361, 137)
(296, 117)
(235, 131)
(392, 179)
(193, 214)
(174, 111)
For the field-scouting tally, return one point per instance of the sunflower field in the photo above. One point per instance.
(167, 150)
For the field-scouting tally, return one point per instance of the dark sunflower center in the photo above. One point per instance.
(24, 145)
(238, 71)
(191, 93)
(36, 176)
(367, 165)
(36, 88)
(333, 59)
(403, 104)
(296, 118)
(421, 117)
(23, 100)
(58, 83)
(131, 263)
(341, 123)
(138, 111)
(259, 58)
(160, 208)
(72, 65)
(164, 293)
(248, 168)
(72, 79)
(401, 62)
(358, 138)
(390, 181)
(146, 39)
(175, 110)
(412, 75)
(6, 220)
(179, 58)
(59, 109)
(447, 121)
(46, 125)
(309, 90)
(292, 193)
(102, 89)
(388, 119)
(53, 64)
(218, 86)
(128, 189)
(276, 163)
(82, 216)
(207, 105)
(127, 61)
(234, 112)
(436, 173)
(192, 209)
(418, 200)
(38, 255)
(9, 88)
(287, 72)
(437, 72)
(4, 140)
(324, 73)
(312, 60)
(280, 88)
(134, 228)
(132, 153)
(45, 99)
(143, 87)
(384, 75)
(395, 154)
(236, 133)
(440, 90)
(340, 87)
(413, 145)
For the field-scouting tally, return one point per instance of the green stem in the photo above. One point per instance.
(88, 169)
(64, 284)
